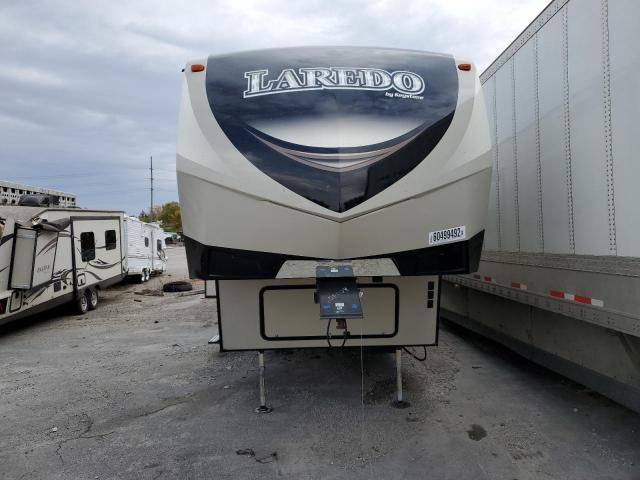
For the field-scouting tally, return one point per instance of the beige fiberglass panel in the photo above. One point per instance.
(293, 313)
(624, 38)
(285, 230)
(239, 310)
(387, 230)
(588, 156)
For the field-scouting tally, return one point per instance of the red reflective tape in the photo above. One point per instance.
(488, 279)
(515, 285)
(581, 299)
(556, 293)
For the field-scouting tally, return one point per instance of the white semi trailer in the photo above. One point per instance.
(54, 255)
(559, 277)
(325, 189)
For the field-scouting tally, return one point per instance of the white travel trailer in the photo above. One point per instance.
(51, 256)
(145, 248)
(326, 201)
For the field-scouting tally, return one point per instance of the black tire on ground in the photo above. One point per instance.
(82, 303)
(92, 295)
(141, 277)
(179, 286)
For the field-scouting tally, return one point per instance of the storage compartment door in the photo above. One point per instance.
(289, 312)
(22, 263)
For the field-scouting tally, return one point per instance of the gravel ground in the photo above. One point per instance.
(132, 390)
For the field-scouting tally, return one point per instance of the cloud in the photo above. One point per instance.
(90, 90)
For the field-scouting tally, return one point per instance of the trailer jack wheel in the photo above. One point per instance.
(93, 298)
(82, 303)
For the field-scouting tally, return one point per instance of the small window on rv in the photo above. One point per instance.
(146, 241)
(159, 245)
(110, 239)
(87, 246)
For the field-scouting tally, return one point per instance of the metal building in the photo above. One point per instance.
(11, 192)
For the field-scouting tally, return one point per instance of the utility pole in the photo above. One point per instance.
(151, 205)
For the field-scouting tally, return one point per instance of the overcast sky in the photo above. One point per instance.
(90, 89)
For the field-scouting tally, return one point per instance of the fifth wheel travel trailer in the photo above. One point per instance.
(51, 256)
(559, 279)
(145, 249)
(326, 189)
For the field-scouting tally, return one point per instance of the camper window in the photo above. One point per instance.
(110, 239)
(87, 246)
(159, 245)
(146, 241)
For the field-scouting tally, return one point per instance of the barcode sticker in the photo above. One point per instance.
(447, 235)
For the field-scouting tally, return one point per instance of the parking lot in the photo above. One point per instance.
(133, 390)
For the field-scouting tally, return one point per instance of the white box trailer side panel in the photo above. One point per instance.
(556, 206)
(563, 301)
(587, 120)
(624, 59)
(529, 196)
(492, 229)
(563, 109)
(506, 159)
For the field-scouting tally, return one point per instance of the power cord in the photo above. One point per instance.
(344, 338)
(415, 356)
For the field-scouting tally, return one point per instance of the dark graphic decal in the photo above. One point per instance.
(48, 246)
(6, 238)
(30, 297)
(97, 277)
(101, 264)
(333, 134)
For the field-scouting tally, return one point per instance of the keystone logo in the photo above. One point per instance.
(407, 84)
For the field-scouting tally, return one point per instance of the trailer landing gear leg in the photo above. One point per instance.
(263, 408)
(399, 401)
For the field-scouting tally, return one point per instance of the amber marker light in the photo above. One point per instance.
(464, 67)
(197, 67)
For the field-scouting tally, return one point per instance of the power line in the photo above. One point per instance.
(87, 174)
